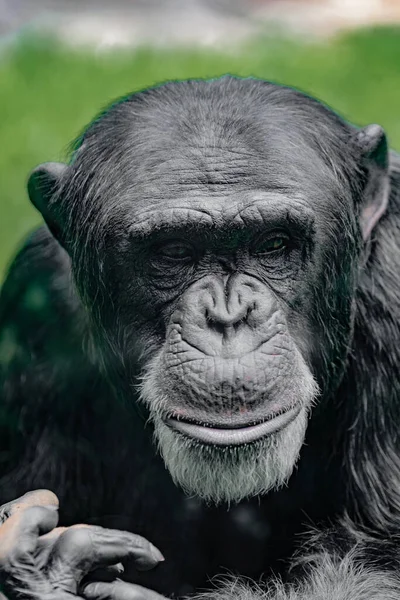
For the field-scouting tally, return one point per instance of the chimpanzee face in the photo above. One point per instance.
(216, 250)
(228, 388)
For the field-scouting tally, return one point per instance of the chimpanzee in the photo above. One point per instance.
(220, 262)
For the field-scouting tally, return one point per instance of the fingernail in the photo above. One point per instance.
(120, 568)
(51, 506)
(156, 554)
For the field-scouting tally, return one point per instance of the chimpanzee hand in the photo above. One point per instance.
(41, 562)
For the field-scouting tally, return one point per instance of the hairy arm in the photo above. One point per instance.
(336, 566)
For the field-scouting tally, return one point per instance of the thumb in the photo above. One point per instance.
(35, 498)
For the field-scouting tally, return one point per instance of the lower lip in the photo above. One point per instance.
(234, 437)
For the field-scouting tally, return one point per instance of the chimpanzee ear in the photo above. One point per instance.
(42, 183)
(372, 143)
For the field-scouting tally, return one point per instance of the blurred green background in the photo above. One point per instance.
(49, 92)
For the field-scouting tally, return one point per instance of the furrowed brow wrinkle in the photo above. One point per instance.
(276, 214)
(157, 221)
(258, 222)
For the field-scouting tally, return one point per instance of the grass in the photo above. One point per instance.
(49, 92)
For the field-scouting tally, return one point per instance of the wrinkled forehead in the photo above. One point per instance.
(209, 158)
(234, 176)
(253, 209)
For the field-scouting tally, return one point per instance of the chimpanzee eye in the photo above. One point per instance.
(175, 251)
(272, 244)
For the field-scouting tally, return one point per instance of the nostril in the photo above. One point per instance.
(218, 327)
(214, 322)
(220, 322)
(243, 319)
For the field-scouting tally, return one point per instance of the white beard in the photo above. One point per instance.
(229, 474)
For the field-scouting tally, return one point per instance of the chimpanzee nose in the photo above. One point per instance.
(228, 306)
(227, 312)
(226, 317)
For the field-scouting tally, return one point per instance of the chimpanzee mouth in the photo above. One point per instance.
(225, 435)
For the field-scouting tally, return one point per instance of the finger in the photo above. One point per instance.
(106, 573)
(52, 536)
(118, 590)
(19, 533)
(46, 543)
(89, 547)
(35, 498)
(55, 534)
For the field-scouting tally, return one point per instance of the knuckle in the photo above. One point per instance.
(95, 590)
(76, 538)
(41, 497)
(33, 514)
(137, 541)
(36, 519)
(91, 528)
(125, 538)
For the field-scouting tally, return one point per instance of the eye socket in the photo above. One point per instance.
(272, 244)
(175, 251)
